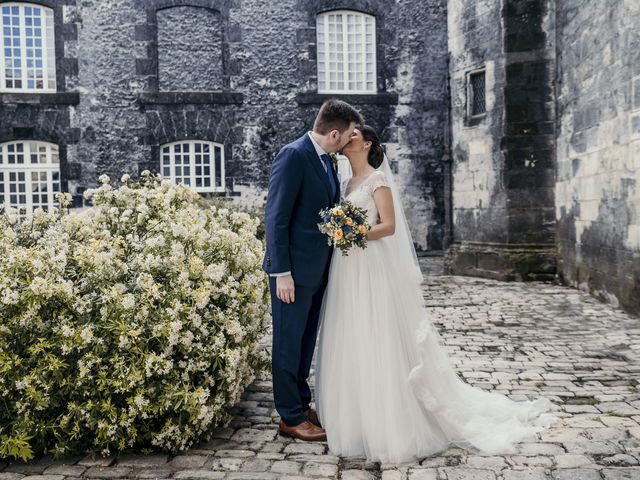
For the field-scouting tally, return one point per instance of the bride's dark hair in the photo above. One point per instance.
(376, 152)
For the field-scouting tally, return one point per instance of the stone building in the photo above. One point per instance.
(208, 91)
(513, 125)
(546, 165)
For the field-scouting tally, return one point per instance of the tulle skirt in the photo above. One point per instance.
(385, 388)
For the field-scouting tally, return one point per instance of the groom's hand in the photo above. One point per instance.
(286, 289)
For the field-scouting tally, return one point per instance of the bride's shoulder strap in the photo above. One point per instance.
(378, 179)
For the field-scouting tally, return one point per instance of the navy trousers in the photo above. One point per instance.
(295, 328)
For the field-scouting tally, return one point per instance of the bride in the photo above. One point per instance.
(385, 389)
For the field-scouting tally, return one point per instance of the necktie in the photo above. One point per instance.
(329, 168)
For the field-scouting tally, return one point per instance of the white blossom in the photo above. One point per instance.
(128, 301)
(138, 296)
(87, 334)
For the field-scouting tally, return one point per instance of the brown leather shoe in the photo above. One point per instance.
(306, 431)
(312, 416)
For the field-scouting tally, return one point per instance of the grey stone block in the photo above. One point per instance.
(107, 472)
(315, 469)
(137, 460)
(188, 461)
(150, 473)
(66, 470)
(198, 475)
(459, 473)
(621, 473)
(577, 474)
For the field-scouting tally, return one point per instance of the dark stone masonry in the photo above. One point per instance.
(503, 177)
(136, 75)
(513, 125)
(598, 149)
(545, 183)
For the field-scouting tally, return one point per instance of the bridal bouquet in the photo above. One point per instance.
(345, 226)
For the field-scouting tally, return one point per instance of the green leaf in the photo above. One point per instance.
(16, 447)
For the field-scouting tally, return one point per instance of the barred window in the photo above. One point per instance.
(196, 163)
(346, 52)
(28, 48)
(476, 94)
(29, 175)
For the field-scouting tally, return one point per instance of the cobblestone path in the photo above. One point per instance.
(524, 340)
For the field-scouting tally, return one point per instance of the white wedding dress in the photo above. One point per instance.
(385, 388)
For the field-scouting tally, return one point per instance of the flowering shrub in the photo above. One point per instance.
(133, 324)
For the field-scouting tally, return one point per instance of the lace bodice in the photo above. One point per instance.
(362, 195)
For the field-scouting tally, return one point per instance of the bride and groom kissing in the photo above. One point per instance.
(385, 388)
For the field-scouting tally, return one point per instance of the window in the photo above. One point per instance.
(29, 175)
(196, 163)
(346, 52)
(28, 51)
(476, 104)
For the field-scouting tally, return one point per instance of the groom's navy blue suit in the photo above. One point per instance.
(299, 187)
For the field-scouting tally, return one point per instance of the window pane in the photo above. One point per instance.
(188, 163)
(477, 93)
(352, 33)
(22, 26)
(218, 167)
(31, 174)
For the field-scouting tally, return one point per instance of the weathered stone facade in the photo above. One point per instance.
(142, 73)
(542, 184)
(190, 59)
(503, 171)
(598, 135)
(546, 181)
(50, 117)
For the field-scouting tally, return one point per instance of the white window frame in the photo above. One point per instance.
(327, 59)
(169, 167)
(47, 166)
(47, 46)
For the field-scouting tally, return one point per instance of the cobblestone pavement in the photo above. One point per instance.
(524, 340)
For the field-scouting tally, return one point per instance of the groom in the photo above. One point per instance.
(303, 182)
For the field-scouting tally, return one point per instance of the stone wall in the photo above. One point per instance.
(190, 58)
(258, 92)
(547, 181)
(478, 198)
(50, 117)
(528, 145)
(598, 139)
(502, 171)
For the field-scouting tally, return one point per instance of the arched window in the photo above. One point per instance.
(29, 175)
(346, 52)
(27, 58)
(197, 163)
(189, 49)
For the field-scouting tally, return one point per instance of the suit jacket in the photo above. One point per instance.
(298, 189)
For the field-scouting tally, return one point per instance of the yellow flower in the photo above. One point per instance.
(338, 211)
(348, 221)
(361, 229)
(339, 234)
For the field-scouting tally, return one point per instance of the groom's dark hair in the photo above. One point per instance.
(335, 114)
